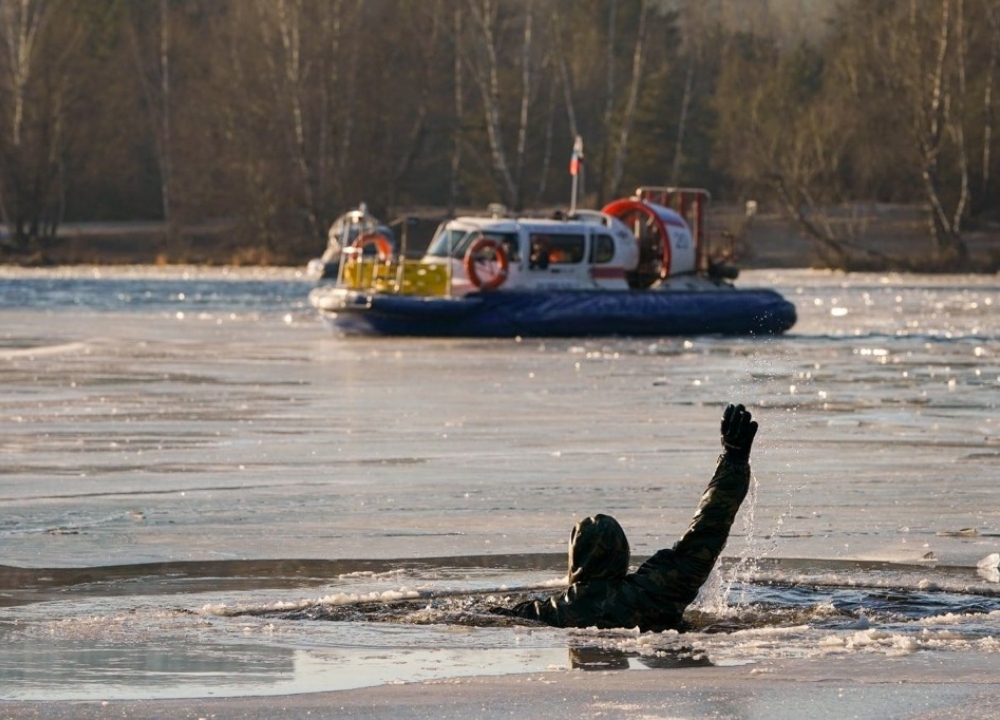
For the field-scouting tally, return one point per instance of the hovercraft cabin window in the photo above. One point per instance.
(508, 240)
(602, 249)
(562, 249)
(510, 244)
(459, 241)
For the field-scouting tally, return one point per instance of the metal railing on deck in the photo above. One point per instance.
(396, 276)
(689, 203)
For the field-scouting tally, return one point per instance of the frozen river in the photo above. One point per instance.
(205, 491)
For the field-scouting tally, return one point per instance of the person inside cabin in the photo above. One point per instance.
(539, 257)
(603, 593)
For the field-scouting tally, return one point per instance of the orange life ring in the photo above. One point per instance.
(478, 245)
(381, 243)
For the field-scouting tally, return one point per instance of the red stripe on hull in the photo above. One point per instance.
(607, 273)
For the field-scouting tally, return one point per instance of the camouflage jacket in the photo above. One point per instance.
(602, 593)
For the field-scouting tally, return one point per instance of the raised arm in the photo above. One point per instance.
(676, 575)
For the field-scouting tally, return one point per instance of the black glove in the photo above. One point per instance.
(738, 430)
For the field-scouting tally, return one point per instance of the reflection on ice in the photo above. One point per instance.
(100, 669)
(61, 670)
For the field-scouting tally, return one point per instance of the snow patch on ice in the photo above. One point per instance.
(990, 561)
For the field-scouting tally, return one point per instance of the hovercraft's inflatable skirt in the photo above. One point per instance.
(559, 314)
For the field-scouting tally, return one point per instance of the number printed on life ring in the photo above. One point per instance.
(488, 257)
(382, 245)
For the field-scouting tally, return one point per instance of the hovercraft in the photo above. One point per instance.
(635, 268)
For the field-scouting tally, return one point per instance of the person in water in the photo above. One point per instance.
(602, 593)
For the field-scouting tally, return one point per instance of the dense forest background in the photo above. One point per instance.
(265, 119)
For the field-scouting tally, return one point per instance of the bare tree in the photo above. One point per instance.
(21, 22)
(675, 167)
(932, 122)
(332, 22)
(543, 175)
(154, 79)
(564, 77)
(455, 165)
(992, 12)
(484, 61)
(40, 87)
(920, 62)
(609, 100)
(698, 17)
(486, 74)
(628, 116)
(779, 135)
(526, 88)
(281, 30)
(428, 44)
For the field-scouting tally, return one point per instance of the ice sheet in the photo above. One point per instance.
(149, 417)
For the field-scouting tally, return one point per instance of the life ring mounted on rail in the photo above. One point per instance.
(382, 245)
(474, 256)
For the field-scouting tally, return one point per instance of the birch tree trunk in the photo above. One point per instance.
(348, 115)
(993, 15)
(337, 86)
(329, 74)
(564, 79)
(488, 81)
(526, 86)
(166, 160)
(21, 21)
(154, 80)
(956, 121)
(547, 153)
(284, 62)
(609, 103)
(931, 108)
(418, 128)
(638, 61)
(459, 107)
(675, 170)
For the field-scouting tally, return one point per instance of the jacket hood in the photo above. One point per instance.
(598, 550)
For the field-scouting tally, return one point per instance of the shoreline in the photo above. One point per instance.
(878, 238)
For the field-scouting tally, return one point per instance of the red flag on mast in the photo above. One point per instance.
(576, 159)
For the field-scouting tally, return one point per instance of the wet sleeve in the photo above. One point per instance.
(548, 611)
(575, 607)
(677, 574)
